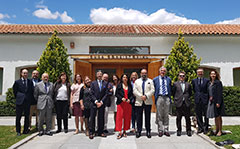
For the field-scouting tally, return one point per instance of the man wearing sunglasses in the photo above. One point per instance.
(182, 92)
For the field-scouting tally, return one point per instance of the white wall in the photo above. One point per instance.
(23, 50)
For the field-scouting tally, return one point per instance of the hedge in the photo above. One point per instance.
(8, 107)
(231, 97)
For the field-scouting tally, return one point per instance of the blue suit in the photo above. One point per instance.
(100, 96)
(24, 95)
(201, 102)
(157, 87)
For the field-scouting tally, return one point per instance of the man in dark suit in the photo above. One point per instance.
(33, 107)
(182, 92)
(23, 91)
(107, 100)
(200, 88)
(99, 89)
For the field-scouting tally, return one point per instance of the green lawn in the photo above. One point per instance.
(235, 136)
(8, 136)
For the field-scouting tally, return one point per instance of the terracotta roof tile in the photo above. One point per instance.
(216, 29)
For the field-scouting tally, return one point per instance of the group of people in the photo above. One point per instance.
(126, 96)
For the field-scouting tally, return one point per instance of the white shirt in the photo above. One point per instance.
(62, 93)
(160, 89)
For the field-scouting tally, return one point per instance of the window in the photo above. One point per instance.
(30, 70)
(120, 50)
(1, 80)
(207, 71)
(236, 78)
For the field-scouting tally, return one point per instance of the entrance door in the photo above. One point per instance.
(153, 71)
(83, 68)
(118, 69)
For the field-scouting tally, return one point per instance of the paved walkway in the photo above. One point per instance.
(71, 141)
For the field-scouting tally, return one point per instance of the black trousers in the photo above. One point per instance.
(100, 119)
(134, 116)
(62, 108)
(147, 111)
(183, 111)
(25, 107)
(201, 110)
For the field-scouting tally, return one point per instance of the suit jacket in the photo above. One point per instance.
(23, 93)
(33, 100)
(109, 94)
(217, 92)
(157, 87)
(100, 96)
(42, 96)
(120, 93)
(178, 94)
(148, 91)
(200, 91)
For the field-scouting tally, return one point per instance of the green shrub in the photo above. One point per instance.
(231, 97)
(8, 107)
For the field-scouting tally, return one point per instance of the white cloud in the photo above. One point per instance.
(2, 16)
(26, 10)
(234, 21)
(45, 13)
(131, 16)
(65, 18)
(3, 22)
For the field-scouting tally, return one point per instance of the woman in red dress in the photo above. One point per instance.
(124, 94)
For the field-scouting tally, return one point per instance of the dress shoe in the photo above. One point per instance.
(105, 131)
(205, 131)
(179, 133)
(18, 134)
(40, 133)
(200, 131)
(189, 133)
(160, 134)
(58, 131)
(49, 133)
(167, 134)
(26, 131)
(91, 136)
(65, 130)
(149, 135)
(138, 135)
(103, 135)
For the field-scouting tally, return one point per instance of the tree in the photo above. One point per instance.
(182, 58)
(54, 59)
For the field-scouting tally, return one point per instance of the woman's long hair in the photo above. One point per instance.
(128, 81)
(59, 78)
(75, 78)
(117, 79)
(217, 75)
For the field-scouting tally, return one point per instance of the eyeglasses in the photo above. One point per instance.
(182, 76)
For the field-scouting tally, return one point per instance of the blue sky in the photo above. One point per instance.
(119, 11)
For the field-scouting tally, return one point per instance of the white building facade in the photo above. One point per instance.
(22, 45)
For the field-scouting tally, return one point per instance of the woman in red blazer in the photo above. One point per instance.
(124, 94)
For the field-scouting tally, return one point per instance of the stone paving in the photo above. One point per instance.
(72, 141)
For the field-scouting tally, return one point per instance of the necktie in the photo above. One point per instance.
(100, 85)
(25, 83)
(163, 87)
(143, 86)
(45, 86)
